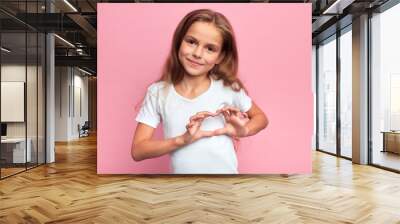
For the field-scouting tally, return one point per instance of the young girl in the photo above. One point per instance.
(199, 99)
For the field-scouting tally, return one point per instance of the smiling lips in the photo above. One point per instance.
(193, 63)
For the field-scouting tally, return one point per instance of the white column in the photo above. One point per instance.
(50, 110)
(50, 92)
(360, 90)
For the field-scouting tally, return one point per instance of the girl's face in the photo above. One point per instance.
(200, 49)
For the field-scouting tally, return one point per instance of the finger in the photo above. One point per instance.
(207, 133)
(237, 121)
(235, 112)
(228, 110)
(223, 109)
(199, 120)
(191, 124)
(202, 112)
(211, 113)
(231, 109)
(202, 115)
(219, 111)
(196, 123)
(229, 113)
(205, 113)
(226, 116)
(220, 131)
(195, 117)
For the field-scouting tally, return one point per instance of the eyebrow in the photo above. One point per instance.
(211, 44)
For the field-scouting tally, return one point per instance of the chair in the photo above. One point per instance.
(84, 130)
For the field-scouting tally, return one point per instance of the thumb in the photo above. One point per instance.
(237, 121)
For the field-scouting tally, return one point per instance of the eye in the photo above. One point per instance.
(210, 49)
(190, 41)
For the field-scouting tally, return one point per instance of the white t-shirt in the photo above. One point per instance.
(208, 155)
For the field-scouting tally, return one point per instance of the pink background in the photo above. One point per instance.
(274, 44)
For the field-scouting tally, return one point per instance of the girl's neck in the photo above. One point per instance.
(194, 83)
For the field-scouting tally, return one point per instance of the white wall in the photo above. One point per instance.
(79, 117)
(62, 80)
(15, 72)
(70, 83)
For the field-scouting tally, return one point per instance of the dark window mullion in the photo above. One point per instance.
(0, 96)
(369, 90)
(26, 86)
(317, 96)
(37, 90)
(338, 91)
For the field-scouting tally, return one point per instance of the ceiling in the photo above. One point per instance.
(76, 22)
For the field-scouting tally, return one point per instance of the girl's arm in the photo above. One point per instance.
(258, 120)
(144, 147)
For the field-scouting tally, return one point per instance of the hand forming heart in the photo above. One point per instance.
(235, 122)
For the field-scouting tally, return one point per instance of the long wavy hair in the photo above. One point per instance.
(173, 71)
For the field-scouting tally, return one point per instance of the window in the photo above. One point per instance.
(327, 95)
(385, 88)
(346, 75)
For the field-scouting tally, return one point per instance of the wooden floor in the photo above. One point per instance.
(5, 172)
(70, 191)
(8, 171)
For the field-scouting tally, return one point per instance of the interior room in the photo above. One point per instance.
(50, 131)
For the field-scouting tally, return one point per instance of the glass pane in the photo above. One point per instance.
(386, 89)
(327, 96)
(31, 100)
(23, 87)
(346, 93)
(13, 86)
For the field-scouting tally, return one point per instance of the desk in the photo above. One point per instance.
(391, 141)
(15, 148)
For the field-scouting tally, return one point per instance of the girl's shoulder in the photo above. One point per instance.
(158, 90)
(232, 89)
(157, 86)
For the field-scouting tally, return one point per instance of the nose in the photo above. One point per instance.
(197, 52)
